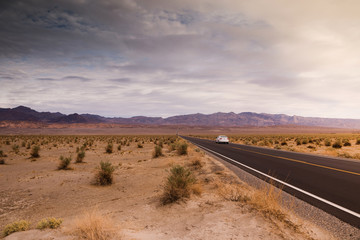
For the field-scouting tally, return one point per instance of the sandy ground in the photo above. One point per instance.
(34, 189)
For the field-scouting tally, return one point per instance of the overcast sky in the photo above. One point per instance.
(162, 57)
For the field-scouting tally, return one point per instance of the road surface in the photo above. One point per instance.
(331, 184)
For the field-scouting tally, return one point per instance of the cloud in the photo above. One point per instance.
(160, 58)
(79, 78)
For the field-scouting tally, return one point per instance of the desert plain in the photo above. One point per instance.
(219, 204)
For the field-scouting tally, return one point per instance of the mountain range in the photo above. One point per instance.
(26, 114)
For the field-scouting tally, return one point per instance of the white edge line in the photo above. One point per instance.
(286, 184)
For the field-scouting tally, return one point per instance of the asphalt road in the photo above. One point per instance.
(330, 184)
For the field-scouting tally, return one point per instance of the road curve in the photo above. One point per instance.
(330, 184)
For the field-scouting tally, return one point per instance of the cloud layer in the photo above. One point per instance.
(162, 58)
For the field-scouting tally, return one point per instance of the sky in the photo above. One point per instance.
(164, 57)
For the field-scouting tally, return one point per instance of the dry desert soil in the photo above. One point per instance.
(220, 206)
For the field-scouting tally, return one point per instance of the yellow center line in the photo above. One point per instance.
(299, 161)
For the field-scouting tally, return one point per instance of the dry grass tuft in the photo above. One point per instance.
(196, 189)
(94, 226)
(268, 200)
(233, 192)
(196, 163)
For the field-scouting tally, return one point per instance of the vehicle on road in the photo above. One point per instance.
(222, 139)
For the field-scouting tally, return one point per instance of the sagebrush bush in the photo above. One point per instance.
(2, 161)
(50, 222)
(16, 148)
(140, 145)
(337, 144)
(109, 148)
(178, 184)
(196, 163)
(327, 143)
(358, 142)
(80, 156)
(347, 144)
(105, 174)
(35, 152)
(172, 147)
(64, 163)
(18, 226)
(157, 151)
(182, 149)
(2, 154)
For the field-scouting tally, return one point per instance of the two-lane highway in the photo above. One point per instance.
(331, 184)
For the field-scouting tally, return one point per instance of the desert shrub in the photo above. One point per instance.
(182, 149)
(358, 142)
(347, 143)
(2, 154)
(109, 148)
(105, 174)
(18, 226)
(157, 151)
(80, 157)
(35, 152)
(327, 143)
(64, 163)
(305, 141)
(2, 161)
(159, 143)
(16, 148)
(178, 184)
(172, 147)
(196, 163)
(28, 146)
(298, 142)
(344, 155)
(50, 222)
(337, 144)
(140, 145)
(119, 147)
(284, 143)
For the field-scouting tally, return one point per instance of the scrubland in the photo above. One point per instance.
(334, 145)
(136, 187)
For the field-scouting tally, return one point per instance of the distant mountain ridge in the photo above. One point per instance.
(26, 114)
